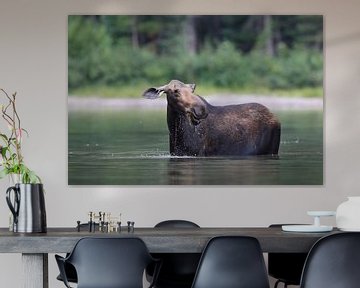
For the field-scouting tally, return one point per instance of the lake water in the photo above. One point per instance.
(131, 148)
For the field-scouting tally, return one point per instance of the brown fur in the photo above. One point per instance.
(197, 128)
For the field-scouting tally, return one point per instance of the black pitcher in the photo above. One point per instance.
(28, 207)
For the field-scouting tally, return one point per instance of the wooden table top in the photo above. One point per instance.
(158, 240)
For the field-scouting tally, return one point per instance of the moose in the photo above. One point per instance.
(199, 129)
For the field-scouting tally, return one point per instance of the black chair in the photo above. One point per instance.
(176, 224)
(108, 262)
(232, 262)
(178, 269)
(286, 267)
(333, 262)
(69, 269)
(70, 273)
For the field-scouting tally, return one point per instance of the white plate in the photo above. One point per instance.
(306, 228)
(321, 213)
(350, 229)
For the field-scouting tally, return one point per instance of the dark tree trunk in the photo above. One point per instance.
(190, 35)
(269, 39)
(134, 33)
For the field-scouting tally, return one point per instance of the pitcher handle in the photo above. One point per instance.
(13, 208)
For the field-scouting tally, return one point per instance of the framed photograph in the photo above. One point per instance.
(195, 100)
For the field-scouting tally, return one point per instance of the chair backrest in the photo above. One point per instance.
(232, 262)
(333, 262)
(178, 269)
(287, 267)
(110, 262)
(176, 224)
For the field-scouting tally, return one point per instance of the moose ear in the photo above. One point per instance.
(152, 93)
(191, 86)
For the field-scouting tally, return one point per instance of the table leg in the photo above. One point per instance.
(35, 270)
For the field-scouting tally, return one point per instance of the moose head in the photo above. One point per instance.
(181, 98)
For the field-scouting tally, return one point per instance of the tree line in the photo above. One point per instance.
(275, 52)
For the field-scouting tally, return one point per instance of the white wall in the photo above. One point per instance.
(33, 62)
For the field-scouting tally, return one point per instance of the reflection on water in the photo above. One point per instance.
(131, 148)
(218, 170)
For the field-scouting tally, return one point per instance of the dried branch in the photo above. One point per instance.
(11, 156)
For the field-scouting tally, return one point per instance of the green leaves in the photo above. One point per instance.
(4, 137)
(28, 176)
(255, 52)
(11, 158)
(4, 172)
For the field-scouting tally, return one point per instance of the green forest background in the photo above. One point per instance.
(120, 56)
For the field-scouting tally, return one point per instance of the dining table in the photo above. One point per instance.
(35, 247)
